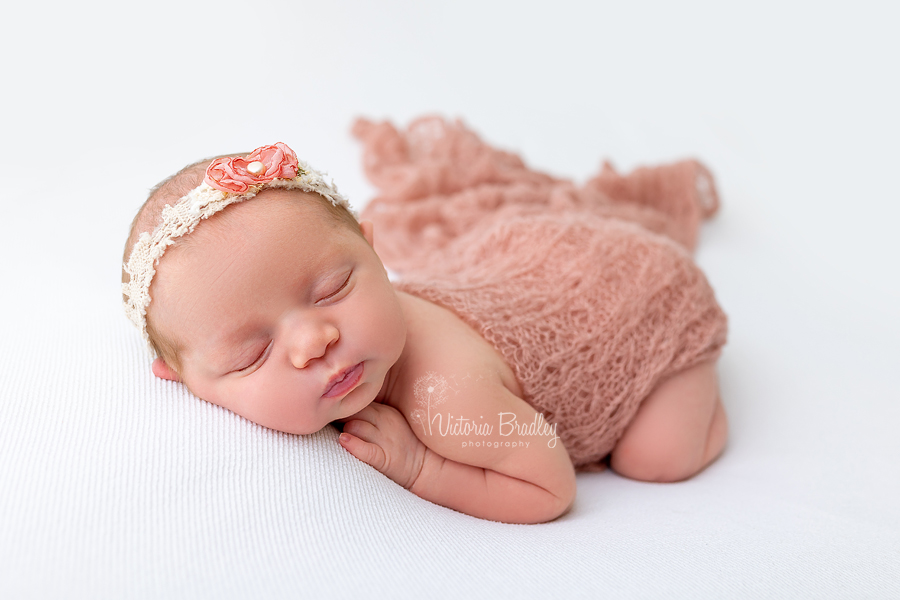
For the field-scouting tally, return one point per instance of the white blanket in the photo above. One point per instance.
(116, 485)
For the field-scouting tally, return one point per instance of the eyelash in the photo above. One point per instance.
(256, 360)
(342, 286)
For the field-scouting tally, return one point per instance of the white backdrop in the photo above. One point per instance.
(116, 485)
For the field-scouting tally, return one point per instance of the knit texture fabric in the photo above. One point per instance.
(590, 294)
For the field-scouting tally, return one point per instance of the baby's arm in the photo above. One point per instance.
(511, 478)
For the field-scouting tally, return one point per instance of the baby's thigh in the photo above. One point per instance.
(678, 430)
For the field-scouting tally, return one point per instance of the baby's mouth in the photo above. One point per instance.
(344, 381)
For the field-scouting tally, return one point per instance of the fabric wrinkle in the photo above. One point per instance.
(590, 294)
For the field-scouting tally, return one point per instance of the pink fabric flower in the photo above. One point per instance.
(232, 174)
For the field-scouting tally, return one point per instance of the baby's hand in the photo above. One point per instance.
(379, 436)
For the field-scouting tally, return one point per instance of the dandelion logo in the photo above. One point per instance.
(430, 390)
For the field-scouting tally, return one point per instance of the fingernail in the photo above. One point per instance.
(343, 438)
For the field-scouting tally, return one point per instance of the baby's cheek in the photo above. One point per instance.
(196, 387)
(284, 404)
(214, 392)
(392, 324)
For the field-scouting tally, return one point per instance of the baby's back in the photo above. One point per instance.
(588, 313)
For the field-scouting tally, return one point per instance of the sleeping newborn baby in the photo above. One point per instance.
(270, 299)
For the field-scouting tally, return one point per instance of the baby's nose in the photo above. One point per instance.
(309, 342)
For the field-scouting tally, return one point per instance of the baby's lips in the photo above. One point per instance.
(344, 381)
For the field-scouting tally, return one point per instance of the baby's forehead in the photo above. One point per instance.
(279, 216)
(273, 207)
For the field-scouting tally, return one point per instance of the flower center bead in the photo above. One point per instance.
(256, 167)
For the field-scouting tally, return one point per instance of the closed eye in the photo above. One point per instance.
(340, 288)
(258, 361)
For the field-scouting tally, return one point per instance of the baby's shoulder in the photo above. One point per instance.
(446, 354)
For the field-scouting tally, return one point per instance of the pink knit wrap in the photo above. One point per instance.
(590, 294)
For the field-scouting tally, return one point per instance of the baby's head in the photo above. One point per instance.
(269, 300)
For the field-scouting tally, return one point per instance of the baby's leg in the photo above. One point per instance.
(678, 430)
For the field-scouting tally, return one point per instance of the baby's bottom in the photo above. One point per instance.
(678, 430)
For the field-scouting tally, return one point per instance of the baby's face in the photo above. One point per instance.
(282, 315)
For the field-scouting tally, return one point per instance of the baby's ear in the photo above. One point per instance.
(164, 371)
(367, 229)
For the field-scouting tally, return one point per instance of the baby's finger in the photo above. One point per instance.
(362, 429)
(367, 414)
(371, 454)
(384, 412)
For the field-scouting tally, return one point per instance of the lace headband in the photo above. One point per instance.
(227, 181)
